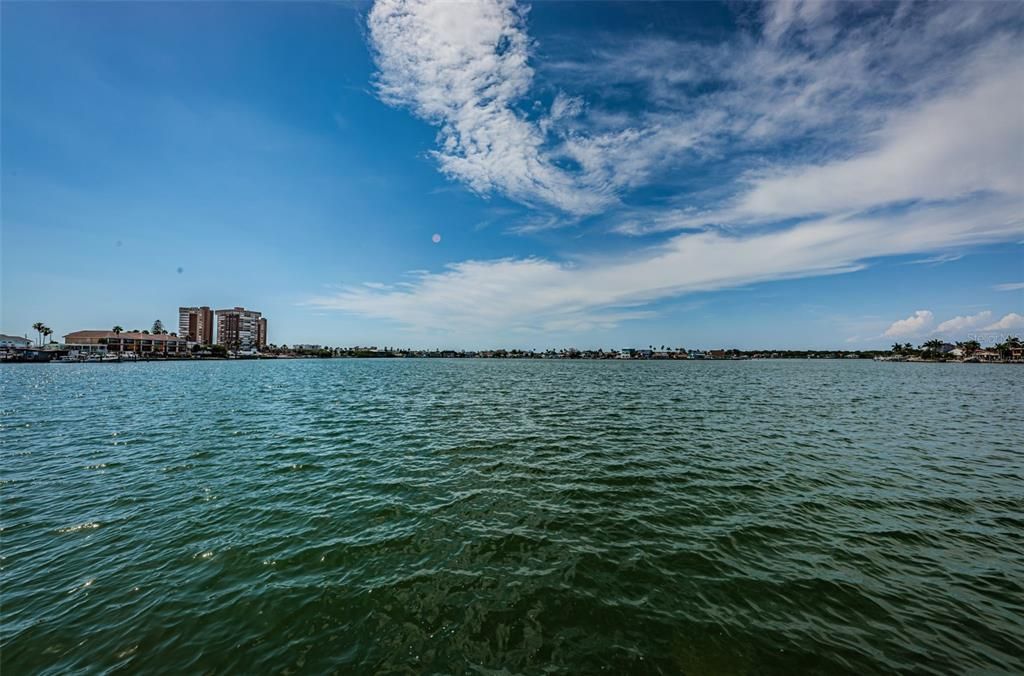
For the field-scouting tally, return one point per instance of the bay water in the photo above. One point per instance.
(491, 516)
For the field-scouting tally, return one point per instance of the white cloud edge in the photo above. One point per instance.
(914, 325)
(1008, 322)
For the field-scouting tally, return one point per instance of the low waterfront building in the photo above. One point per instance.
(128, 341)
(8, 342)
(241, 330)
(195, 324)
(84, 349)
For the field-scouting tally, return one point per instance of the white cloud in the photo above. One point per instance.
(1009, 321)
(566, 106)
(913, 325)
(915, 108)
(539, 294)
(465, 66)
(1012, 286)
(462, 66)
(960, 144)
(962, 323)
(785, 16)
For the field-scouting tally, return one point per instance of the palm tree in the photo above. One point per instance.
(47, 332)
(117, 330)
(968, 347)
(39, 326)
(1003, 348)
(933, 345)
(897, 348)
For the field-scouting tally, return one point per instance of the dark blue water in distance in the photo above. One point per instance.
(492, 517)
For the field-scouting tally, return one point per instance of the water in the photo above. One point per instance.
(470, 516)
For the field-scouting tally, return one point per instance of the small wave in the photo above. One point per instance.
(80, 527)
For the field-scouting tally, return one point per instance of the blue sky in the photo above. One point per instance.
(797, 174)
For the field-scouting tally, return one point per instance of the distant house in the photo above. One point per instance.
(717, 354)
(985, 355)
(8, 342)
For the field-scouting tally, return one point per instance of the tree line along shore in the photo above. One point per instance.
(1007, 351)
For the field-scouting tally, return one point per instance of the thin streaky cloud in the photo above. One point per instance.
(533, 292)
(937, 260)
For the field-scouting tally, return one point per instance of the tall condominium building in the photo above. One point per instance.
(241, 329)
(195, 324)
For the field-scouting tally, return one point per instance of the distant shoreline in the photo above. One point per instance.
(833, 357)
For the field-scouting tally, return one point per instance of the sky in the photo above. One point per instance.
(473, 175)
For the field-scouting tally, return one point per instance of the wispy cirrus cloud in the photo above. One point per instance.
(937, 260)
(1012, 286)
(836, 142)
(915, 157)
(908, 161)
(883, 97)
(871, 96)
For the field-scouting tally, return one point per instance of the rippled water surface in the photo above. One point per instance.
(493, 516)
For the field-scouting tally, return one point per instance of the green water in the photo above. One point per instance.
(464, 516)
